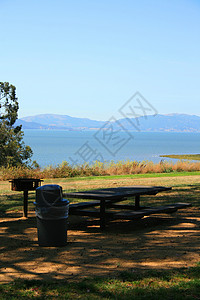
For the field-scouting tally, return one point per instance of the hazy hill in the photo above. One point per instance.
(172, 122)
(63, 121)
(30, 125)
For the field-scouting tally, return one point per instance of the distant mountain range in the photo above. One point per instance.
(157, 123)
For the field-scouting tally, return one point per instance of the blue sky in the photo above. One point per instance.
(87, 58)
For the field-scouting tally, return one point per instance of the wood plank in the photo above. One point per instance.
(126, 214)
(74, 206)
(125, 206)
(133, 214)
(117, 193)
(84, 212)
(91, 213)
(182, 205)
(148, 211)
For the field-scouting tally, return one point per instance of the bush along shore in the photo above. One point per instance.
(65, 170)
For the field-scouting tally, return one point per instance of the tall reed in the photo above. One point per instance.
(65, 170)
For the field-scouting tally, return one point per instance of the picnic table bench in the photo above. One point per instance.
(106, 206)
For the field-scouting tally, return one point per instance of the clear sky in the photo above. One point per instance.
(85, 58)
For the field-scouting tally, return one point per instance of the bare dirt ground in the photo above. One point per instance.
(159, 242)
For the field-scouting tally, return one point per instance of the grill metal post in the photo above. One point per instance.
(25, 210)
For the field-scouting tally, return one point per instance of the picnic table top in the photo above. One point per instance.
(118, 192)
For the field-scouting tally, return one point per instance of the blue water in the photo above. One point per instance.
(51, 147)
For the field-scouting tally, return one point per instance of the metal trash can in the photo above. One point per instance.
(51, 214)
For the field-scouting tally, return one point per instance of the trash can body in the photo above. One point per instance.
(52, 233)
(52, 216)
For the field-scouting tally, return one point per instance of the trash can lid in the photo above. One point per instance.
(49, 187)
(50, 195)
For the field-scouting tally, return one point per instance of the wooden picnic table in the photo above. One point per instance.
(106, 199)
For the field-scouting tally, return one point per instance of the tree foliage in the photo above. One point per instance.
(13, 151)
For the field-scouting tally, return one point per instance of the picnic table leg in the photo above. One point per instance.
(137, 202)
(25, 211)
(102, 214)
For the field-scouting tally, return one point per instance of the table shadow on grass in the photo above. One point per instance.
(90, 252)
(156, 242)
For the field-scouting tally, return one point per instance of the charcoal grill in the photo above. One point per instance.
(25, 185)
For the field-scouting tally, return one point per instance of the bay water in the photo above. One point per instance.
(52, 147)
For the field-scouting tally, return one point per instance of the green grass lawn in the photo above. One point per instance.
(147, 175)
(176, 284)
(12, 201)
